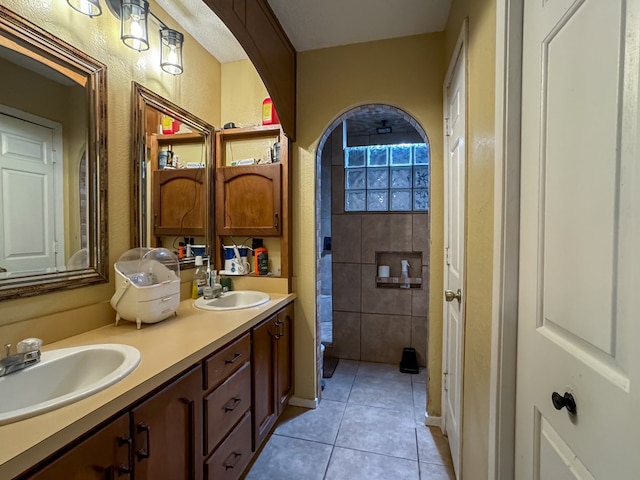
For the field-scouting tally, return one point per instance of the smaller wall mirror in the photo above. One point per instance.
(173, 165)
(53, 163)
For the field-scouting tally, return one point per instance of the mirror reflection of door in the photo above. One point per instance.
(44, 137)
(31, 188)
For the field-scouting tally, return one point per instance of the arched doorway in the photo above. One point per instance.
(371, 212)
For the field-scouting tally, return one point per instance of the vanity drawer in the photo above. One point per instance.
(232, 457)
(224, 363)
(225, 406)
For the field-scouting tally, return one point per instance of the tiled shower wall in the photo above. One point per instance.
(370, 323)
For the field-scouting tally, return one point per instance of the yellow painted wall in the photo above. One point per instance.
(243, 93)
(479, 241)
(59, 315)
(407, 73)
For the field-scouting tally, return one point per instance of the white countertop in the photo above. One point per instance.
(167, 348)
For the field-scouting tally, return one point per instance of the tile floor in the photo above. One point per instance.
(369, 425)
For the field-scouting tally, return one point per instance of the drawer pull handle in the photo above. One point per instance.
(232, 460)
(146, 451)
(232, 405)
(236, 356)
(125, 468)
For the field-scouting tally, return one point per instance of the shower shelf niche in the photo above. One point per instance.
(395, 280)
(414, 282)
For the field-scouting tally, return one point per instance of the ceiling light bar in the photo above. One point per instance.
(134, 33)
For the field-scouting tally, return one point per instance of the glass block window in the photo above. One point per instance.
(383, 178)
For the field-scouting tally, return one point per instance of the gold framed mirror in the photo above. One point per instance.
(172, 152)
(53, 163)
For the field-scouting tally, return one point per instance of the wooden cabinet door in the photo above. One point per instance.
(167, 431)
(264, 396)
(179, 202)
(104, 455)
(249, 200)
(284, 364)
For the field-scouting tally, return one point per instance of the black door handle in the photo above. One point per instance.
(559, 402)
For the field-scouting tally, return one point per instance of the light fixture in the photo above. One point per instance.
(91, 8)
(171, 51)
(134, 33)
(133, 24)
(383, 128)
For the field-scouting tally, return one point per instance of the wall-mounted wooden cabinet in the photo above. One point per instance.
(249, 200)
(179, 202)
(178, 195)
(253, 200)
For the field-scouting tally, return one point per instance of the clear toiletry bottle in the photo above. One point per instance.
(404, 275)
(199, 278)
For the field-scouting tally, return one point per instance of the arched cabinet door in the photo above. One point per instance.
(249, 200)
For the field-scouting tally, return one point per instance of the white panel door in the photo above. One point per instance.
(455, 170)
(27, 220)
(579, 299)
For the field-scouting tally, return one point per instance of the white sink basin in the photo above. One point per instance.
(233, 300)
(62, 377)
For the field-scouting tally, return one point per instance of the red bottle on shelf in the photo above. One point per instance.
(269, 114)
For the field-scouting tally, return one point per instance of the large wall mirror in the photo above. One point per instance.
(172, 152)
(53, 165)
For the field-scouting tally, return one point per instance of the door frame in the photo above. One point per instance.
(508, 94)
(460, 51)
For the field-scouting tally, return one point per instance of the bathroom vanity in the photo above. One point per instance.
(209, 388)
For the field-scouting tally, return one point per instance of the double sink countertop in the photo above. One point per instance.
(167, 348)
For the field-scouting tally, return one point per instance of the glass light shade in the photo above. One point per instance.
(133, 23)
(171, 51)
(91, 8)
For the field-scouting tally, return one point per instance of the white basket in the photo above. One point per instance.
(148, 285)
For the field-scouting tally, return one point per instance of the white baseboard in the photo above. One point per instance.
(432, 421)
(303, 402)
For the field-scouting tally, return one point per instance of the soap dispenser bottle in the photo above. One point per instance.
(404, 275)
(199, 279)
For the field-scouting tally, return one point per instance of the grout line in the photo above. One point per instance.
(377, 453)
(303, 439)
(326, 469)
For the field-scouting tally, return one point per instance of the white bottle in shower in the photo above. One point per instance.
(404, 275)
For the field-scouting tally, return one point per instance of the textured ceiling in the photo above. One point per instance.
(366, 122)
(312, 24)
(197, 19)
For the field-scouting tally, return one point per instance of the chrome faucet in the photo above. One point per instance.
(217, 290)
(28, 353)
